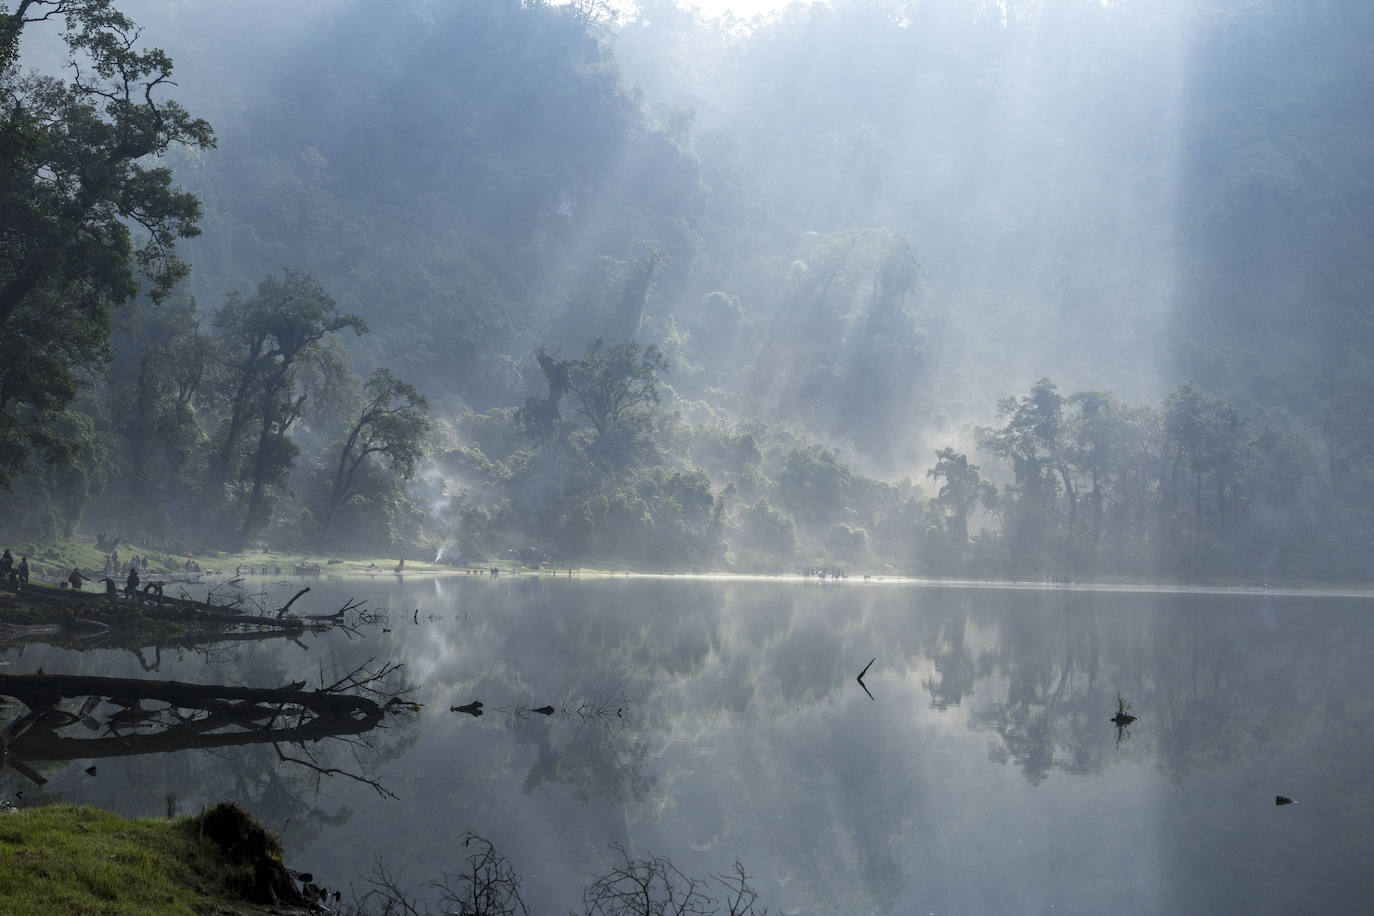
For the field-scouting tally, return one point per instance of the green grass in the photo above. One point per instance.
(53, 561)
(79, 859)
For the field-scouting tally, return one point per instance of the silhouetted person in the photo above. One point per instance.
(6, 564)
(131, 584)
(24, 570)
(75, 579)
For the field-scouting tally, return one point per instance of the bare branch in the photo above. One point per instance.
(380, 789)
(489, 886)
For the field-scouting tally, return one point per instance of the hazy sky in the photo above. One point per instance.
(742, 8)
(745, 9)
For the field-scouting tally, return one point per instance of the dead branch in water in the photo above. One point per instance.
(287, 606)
(309, 763)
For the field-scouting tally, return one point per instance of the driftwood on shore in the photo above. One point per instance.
(95, 614)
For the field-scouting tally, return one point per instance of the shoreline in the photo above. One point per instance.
(52, 562)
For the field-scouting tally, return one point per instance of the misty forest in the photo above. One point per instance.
(919, 455)
(953, 288)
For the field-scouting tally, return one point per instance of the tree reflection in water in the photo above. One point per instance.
(268, 749)
(746, 735)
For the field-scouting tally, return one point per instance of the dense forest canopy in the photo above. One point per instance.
(1052, 288)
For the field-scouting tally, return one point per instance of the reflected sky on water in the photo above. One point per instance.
(709, 720)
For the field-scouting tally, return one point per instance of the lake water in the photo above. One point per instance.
(709, 720)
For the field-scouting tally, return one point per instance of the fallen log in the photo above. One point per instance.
(41, 744)
(39, 691)
(166, 607)
(271, 623)
(75, 628)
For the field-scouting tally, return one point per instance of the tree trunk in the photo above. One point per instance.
(250, 519)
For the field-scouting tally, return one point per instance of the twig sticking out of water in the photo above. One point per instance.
(860, 679)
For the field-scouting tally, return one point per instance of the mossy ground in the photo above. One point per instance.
(78, 859)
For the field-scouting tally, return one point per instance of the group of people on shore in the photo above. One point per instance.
(131, 580)
(115, 567)
(14, 576)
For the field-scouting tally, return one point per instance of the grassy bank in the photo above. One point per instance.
(54, 561)
(79, 859)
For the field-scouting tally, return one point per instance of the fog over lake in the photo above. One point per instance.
(709, 720)
(884, 333)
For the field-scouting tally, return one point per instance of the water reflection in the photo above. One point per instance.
(709, 720)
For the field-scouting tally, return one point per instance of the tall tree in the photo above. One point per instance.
(265, 342)
(1094, 435)
(1204, 436)
(1031, 439)
(86, 212)
(963, 488)
(391, 424)
(615, 389)
(643, 270)
(161, 357)
(612, 383)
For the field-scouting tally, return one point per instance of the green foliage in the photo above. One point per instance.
(1031, 438)
(814, 484)
(768, 531)
(443, 214)
(75, 174)
(615, 385)
(960, 493)
(518, 198)
(49, 499)
(614, 388)
(1189, 490)
(265, 345)
(152, 406)
(392, 425)
(843, 346)
(611, 295)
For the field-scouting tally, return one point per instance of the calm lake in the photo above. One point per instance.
(709, 720)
